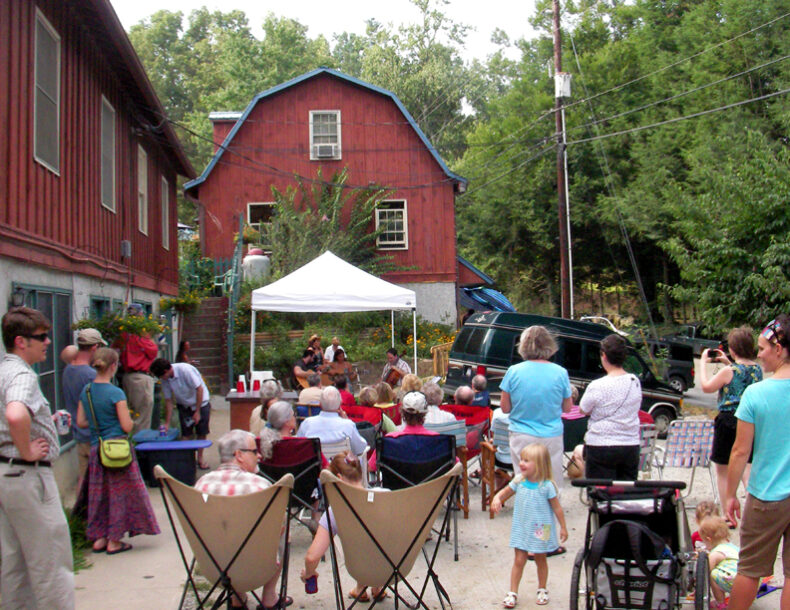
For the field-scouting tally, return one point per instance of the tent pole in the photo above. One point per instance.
(252, 345)
(414, 336)
(392, 326)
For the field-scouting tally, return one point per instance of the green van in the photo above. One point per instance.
(488, 344)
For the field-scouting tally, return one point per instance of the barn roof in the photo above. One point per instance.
(299, 79)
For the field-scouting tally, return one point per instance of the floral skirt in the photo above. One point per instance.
(117, 501)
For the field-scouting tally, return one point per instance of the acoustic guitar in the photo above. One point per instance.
(393, 376)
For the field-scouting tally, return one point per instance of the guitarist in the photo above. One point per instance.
(395, 368)
(302, 368)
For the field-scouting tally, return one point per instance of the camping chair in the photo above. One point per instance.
(688, 445)
(478, 425)
(234, 539)
(490, 468)
(411, 459)
(381, 539)
(301, 458)
(648, 435)
(573, 431)
(330, 450)
(457, 429)
(357, 413)
(305, 411)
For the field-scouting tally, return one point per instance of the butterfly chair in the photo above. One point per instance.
(381, 540)
(457, 429)
(688, 445)
(234, 539)
(648, 435)
(411, 459)
(300, 457)
(330, 450)
(492, 468)
(573, 431)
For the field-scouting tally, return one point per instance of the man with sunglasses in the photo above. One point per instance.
(37, 567)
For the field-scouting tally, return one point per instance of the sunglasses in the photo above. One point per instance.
(39, 337)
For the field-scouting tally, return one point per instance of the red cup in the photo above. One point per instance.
(256, 385)
(240, 387)
(311, 584)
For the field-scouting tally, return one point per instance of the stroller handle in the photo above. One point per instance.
(643, 484)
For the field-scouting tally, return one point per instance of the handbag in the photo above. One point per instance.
(114, 453)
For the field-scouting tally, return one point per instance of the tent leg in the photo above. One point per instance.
(392, 327)
(252, 345)
(414, 336)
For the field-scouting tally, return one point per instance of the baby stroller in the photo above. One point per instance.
(637, 550)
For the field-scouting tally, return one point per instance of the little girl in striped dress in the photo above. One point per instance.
(533, 529)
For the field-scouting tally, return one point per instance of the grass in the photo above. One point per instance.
(80, 544)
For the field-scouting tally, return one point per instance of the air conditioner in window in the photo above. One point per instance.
(325, 151)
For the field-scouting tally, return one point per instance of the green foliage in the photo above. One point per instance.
(79, 541)
(112, 324)
(195, 273)
(323, 216)
(183, 304)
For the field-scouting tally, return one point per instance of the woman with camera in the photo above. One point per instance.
(730, 382)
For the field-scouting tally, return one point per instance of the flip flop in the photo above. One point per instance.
(558, 551)
(125, 546)
(101, 550)
(382, 595)
(283, 602)
(362, 597)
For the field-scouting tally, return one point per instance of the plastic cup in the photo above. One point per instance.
(311, 584)
(256, 385)
(240, 385)
(62, 421)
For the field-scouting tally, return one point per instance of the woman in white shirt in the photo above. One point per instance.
(613, 403)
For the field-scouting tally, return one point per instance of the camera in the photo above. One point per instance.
(713, 354)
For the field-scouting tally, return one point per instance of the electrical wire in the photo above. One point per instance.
(510, 171)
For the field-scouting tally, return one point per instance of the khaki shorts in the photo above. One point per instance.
(764, 525)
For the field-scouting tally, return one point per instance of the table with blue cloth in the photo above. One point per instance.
(176, 457)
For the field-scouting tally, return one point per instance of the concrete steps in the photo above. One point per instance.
(206, 331)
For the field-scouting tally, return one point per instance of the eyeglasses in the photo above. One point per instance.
(39, 337)
(249, 450)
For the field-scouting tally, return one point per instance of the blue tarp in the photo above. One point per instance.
(485, 299)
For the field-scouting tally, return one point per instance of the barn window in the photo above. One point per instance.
(107, 155)
(324, 135)
(392, 221)
(165, 214)
(142, 190)
(46, 99)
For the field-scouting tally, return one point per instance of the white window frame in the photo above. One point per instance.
(142, 190)
(251, 204)
(380, 213)
(313, 144)
(107, 155)
(165, 203)
(40, 18)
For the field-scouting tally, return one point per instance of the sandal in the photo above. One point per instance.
(362, 596)
(558, 551)
(542, 597)
(381, 595)
(511, 599)
(125, 546)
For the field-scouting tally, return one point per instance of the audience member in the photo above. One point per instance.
(329, 426)
(183, 382)
(280, 424)
(117, 498)
(704, 509)
(433, 396)
(311, 395)
(722, 558)
(346, 397)
(270, 392)
(386, 397)
(36, 563)
(464, 395)
(409, 383)
(68, 353)
(482, 397)
(236, 476)
(75, 377)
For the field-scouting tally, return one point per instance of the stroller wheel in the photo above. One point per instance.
(702, 582)
(580, 592)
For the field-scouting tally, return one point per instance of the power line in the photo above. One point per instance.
(677, 63)
(510, 171)
(681, 118)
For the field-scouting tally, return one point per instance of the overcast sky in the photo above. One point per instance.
(327, 18)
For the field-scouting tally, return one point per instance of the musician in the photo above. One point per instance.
(303, 367)
(314, 343)
(395, 368)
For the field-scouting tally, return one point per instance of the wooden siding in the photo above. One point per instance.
(378, 146)
(58, 220)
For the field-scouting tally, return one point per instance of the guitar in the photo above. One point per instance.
(394, 376)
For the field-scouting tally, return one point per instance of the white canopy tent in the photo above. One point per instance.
(329, 284)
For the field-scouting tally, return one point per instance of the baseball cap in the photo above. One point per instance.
(414, 402)
(90, 336)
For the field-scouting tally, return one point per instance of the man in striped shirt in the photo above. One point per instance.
(236, 476)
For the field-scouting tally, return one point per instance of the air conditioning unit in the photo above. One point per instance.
(325, 151)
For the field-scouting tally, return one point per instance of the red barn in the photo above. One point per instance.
(328, 120)
(88, 170)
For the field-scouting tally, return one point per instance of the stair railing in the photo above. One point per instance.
(233, 295)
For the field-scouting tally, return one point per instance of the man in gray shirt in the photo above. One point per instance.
(37, 569)
(76, 376)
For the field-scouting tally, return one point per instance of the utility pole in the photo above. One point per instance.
(566, 309)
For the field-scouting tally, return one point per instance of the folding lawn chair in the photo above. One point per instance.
(357, 413)
(300, 457)
(648, 435)
(305, 411)
(457, 429)
(411, 459)
(234, 539)
(478, 426)
(381, 540)
(688, 445)
(490, 467)
(330, 450)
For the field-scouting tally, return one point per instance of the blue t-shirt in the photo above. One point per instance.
(105, 396)
(536, 390)
(74, 380)
(765, 404)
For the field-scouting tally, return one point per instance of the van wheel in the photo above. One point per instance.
(662, 417)
(678, 383)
